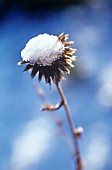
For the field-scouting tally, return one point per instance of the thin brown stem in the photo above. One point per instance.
(59, 122)
(75, 133)
(79, 165)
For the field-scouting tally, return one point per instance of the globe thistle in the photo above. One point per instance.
(49, 56)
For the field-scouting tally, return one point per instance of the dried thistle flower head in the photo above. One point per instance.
(49, 56)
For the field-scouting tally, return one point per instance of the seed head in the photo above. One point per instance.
(49, 56)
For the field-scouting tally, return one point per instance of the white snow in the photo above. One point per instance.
(32, 144)
(98, 149)
(43, 49)
(105, 91)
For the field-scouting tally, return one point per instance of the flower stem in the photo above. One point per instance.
(79, 164)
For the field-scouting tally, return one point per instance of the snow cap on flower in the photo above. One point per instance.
(49, 56)
(43, 49)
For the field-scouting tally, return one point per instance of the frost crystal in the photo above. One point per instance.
(43, 49)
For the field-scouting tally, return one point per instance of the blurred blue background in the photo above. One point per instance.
(29, 139)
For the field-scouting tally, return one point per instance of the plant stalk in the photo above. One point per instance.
(79, 165)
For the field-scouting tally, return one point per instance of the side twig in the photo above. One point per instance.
(58, 121)
(51, 108)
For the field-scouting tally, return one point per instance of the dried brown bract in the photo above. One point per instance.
(56, 65)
